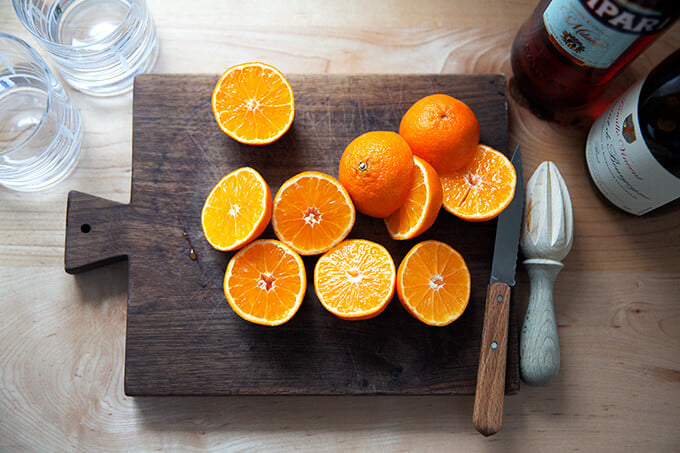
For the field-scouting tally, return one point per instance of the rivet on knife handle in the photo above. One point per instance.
(487, 416)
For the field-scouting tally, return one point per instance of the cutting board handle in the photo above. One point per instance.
(96, 231)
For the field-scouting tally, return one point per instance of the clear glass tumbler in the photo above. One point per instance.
(40, 129)
(98, 45)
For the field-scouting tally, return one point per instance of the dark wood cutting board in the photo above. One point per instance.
(182, 336)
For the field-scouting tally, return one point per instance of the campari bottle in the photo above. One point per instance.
(565, 54)
(633, 148)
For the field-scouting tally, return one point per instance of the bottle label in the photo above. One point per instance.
(596, 32)
(621, 164)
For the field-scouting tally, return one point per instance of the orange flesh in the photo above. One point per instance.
(355, 279)
(265, 282)
(253, 103)
(482, 189)
(433, 283)
(312, 213)
(237, 209)
(422, 204)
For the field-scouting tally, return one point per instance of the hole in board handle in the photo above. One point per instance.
(85, 228)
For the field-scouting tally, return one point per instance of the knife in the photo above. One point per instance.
(487, 414)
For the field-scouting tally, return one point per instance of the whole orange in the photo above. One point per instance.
(376, 169)
(441, 130)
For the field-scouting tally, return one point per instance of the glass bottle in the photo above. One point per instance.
(565, 54)
(633, 148)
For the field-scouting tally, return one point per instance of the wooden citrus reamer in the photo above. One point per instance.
(547, 236)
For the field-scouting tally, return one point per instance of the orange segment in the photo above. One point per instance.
(355, 279)
(253, 103)
(265, 282)
(422, 204)
(433, 283)
(312, 213)
(482, 189)
(237, 210)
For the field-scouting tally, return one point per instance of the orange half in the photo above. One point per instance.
(237, 209)
(355, 279)
(482, 189)
(312, 213)
(253, 103)
(265, 282)
(422, 204)
(433, 283)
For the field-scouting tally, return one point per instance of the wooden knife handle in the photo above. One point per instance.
(487, 415)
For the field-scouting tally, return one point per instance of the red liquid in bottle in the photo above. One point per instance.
(564, 58)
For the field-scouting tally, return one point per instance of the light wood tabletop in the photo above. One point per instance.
(62, 337)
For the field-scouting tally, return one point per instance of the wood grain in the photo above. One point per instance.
(62, 337)
(539, 343)
(487, 415)
(184, 329)
(98, 232)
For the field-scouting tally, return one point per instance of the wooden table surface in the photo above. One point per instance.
(62, 337)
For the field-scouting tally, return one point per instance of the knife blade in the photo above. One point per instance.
(487, 414)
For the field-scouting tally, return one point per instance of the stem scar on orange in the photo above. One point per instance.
(376, 168)
(442, 130)
(265, 282)
(355, 279)
(237, 210)
(433, 283)
(482, 189)
(253, 103)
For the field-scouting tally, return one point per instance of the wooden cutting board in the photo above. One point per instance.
(182, 336)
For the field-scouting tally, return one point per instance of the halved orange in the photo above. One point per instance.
(253, 103)
(482, 189)
(312, 213)
(422, 204)
(237, 210)
(265, 282)
(355, 279)
(433, 283)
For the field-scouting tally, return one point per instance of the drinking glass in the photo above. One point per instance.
(40, 129)
(97, 45)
